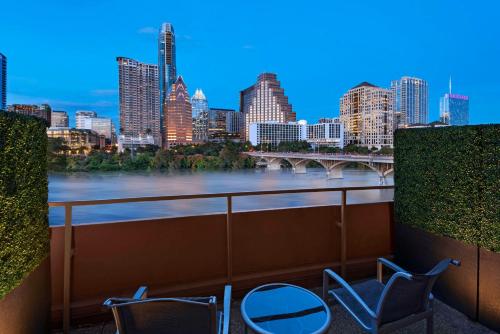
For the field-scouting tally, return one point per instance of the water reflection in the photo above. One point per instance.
(91, 186)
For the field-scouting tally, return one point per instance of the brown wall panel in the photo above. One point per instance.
(26, 309)
(418, 251)
(187, 255)
(278, 239)
(489, 289)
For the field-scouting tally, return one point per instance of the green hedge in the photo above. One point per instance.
(24, 232)
(447, 182)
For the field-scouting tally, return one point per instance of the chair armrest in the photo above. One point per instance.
(141, 293)
(327, 274)
(381, 262)
(227, 309)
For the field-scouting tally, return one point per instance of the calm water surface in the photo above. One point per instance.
(91, 186)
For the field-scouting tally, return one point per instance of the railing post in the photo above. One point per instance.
(68, 231)
(229, 239)
(343, 234)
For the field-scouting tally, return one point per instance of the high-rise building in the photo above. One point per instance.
(101, 125)
(139, 99)
(166, 61)
(234, 122)
(454, 109)
(3, 82)
(82, 115)
(265, 101)
(367, 114)
(59, 119)
(41, 111)
(217, 122)
(410, 101)
(329, 132)
(199, 105)
(178, 120)
(273, 133)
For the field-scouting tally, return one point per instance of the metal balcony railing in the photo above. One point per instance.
(68, 226)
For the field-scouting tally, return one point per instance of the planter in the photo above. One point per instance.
(418, 251)
(489, 289)
(26, 309)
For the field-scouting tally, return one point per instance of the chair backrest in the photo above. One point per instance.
(406, 294)
(162, 315)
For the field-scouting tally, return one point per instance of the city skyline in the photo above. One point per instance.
(208, 51)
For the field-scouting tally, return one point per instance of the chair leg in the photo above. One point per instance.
(430, 324)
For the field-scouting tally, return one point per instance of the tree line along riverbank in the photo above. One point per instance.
(206, 156)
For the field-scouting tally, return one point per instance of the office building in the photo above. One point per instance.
(75, 138)
(3, 82)
(81, 115)
(42, 111)
(273, 133)
(366, 112)
(178, 120)
(328, 132)
(199, 106)
(454, 109)
(234, 122)
(101, 125)
(410, 101)
(59, 119)
(263, 102)
(133, 143)
(139, 99)
(166, 61)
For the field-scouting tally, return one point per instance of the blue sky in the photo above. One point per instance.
(63, 52)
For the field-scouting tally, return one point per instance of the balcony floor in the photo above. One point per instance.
(447, 320)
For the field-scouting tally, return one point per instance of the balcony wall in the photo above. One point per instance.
(188, 255)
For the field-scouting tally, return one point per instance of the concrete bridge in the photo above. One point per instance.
(333, 163)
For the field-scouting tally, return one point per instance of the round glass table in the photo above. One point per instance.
(284, 308)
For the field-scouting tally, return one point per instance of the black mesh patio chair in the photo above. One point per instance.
(191, 315)
(382, 308)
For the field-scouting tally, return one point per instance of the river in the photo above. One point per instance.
(91, 186)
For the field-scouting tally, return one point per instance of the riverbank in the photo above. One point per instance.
(209, 156)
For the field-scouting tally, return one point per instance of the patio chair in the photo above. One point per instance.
(383, 308)
(191, 315)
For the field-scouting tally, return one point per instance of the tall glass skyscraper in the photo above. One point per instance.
(166, 61)
(411, 101)
(454, 109)
(199, 106)
(3, 82)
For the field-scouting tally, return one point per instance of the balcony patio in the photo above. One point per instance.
(446, 321)
(196, 256)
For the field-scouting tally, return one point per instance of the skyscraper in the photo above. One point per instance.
(454, 108)
(59, 119)
(166, 61)
(367, 114)
(178, 120)
(411, 101)
(3, 82)
(101, 125)
(81, 115)
(199, 105)
(265, 101)
(139, 99)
